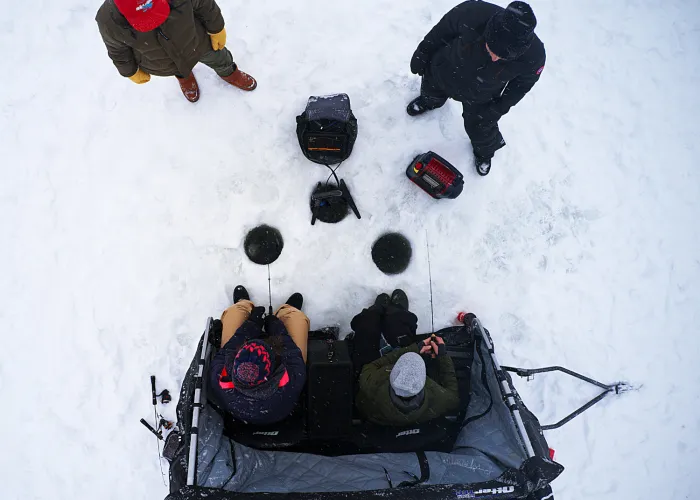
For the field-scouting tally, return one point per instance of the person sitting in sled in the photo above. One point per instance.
(259, 381)
(162, 38)
(394, 389)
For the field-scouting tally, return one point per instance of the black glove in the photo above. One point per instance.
(215, 332)
(419, 62)
(256, 316)
(442, 350)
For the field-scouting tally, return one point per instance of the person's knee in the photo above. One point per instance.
(295, 321)
(399, 327)
(244, 305)
(290, 313)
(233, 317)
(369, 321)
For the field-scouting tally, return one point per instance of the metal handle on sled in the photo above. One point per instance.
(507, 391)
(196, 407)
(607, 389)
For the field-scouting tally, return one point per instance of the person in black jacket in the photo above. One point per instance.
(487, 58)
(258, 378)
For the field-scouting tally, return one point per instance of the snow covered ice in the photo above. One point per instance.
(123, 210)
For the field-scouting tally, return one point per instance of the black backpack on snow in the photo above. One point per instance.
(327, 129)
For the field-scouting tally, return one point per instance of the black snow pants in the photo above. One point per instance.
(480, 120)
(398, 326)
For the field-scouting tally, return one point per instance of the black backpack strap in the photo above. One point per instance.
(424, 472)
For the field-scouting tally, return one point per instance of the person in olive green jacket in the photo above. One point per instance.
(395, 390)
(168, 38)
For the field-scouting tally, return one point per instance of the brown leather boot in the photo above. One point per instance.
(241, 80)
(189, 88)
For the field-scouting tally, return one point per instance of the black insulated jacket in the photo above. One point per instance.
(453, 54)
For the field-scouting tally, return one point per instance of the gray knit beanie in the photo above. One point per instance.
(408, 375)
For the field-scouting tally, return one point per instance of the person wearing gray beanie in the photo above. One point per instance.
(487, 58)
(395, 390)
(408, 375)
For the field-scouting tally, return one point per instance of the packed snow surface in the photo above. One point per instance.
(123, 209)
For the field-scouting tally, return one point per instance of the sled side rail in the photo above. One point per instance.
(529, 373)
(197, 406)
(507, 391)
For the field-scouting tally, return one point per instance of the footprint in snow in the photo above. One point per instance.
(514, 327)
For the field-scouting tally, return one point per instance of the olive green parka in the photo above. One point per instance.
(171, 49)
(374, 397)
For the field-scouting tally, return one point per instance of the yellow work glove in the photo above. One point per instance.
(218, 40)
(140, 77)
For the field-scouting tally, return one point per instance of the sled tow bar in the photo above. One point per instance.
(617, 388)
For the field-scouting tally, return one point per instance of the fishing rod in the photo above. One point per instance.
(269, 288)
(430, 280)
(161, 422)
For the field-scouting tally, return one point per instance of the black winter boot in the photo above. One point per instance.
(418, 106)
(483, 165)
(383, 300)
(296, 300)
(399, 298)
(240, 293)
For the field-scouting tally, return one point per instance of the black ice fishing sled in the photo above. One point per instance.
(492, 448)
